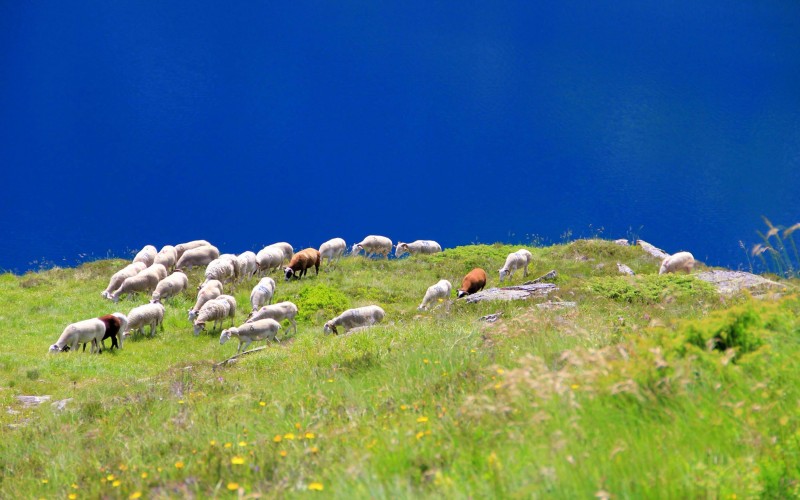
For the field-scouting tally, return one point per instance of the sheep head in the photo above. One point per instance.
(330, 327)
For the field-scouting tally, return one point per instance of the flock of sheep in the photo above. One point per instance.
(148, 274)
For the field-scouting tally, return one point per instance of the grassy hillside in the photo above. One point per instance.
(653, 386)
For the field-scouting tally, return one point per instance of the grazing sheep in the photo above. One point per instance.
(198, 256)
(473, 282)
(183, 247)
(373, 245)
(269, 258)
(221, 270)
(146, 255)
(116, 280)
(354, 318)
(115, 323)
(209, 291)
(439, 291)
(170, 286)
(215, 310)
(419, 246)
(264, 329)
(151, 314)
(262, 293)
(167, 257)
(681, 261)
(82, 332)
(278, 312)
(234, 262)
(248, 265)
(333, 249)
(301, 262)
(516, 260)
(146, 281)
(285, 248)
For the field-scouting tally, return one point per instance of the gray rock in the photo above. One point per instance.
(625, 269)
(519, 292)
(623, 242)
(31, 401)
(732, 282)
(61, 404)
(652, 250)
(551, 305)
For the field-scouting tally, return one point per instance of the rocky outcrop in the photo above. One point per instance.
(732, 282)
(652, 250)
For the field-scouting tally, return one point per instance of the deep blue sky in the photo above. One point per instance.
(244, 123)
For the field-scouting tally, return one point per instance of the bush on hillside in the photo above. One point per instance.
(320, 303)
(651, 289)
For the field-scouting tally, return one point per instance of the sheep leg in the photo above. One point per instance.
(294, 325)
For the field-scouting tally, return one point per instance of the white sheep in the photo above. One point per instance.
(209, 291)
(183, 247)
(121, 275)
(439, 291)
(167, 256)
(419, 246)
(146, 281)
(373, 245)
(247, 265)
(354, 318)
(235, 262)
(264, 329)
(262, 293)
(82, 332)
(285, 248)
(681, 261)
(170, 286)
(516, 260)
(198, 256)
(151, 314)
(278, 312)
(221, 270)
(333, 249)
(146, 255)
(215, 310)
(269, 258)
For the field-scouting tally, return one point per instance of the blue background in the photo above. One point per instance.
(245, 123)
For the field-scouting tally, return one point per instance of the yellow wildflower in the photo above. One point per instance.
(123, 467)
(309, 435)
(144, 475)
(135, 495)
(212, 442)
(422, 420)
(110, 477)
(72, 496)
(278, 438)
(233, 486)
(297, 425)
(283, 453)
(288, 436)
(420, 434)
(44, 481)
(228, 445)
(316, 487)
(262, 403)
(116, 483)
(314, 449)
(242, 443)
(403, 407)
(237, 460)
(179, 464)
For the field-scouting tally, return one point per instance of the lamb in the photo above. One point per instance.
(264, 329)
(301, 262)
(221, 270)
(333, 249)
(473, 282)
(269, 258)
(167, 257)
(120, 276)
(81, 332)
(516, 260)
(215, 310)
(209, 291)
(419, 246)
(146, 281)
(146, 255)
(262, 293)
(151, 314)
(354, 318)
(681, 261)
(374, 245)
(183, 247)
(247, 265)
(278, 312)
(170, 286)
(198, 256)
(439, 291)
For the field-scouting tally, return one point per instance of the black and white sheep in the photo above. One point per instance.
(262, 293)
(301, 262)
(216, 310)
(515, 260)
(209, 291)
(355, 318)
(116, 280)
(170, 286)
(151, 314)
(438, 292)
(333, 249)
(373, 245)
(278, 312)
(263, 329)
(415, 247)
(679, 262)
(198, 256)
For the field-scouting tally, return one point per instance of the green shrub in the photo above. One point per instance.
(651, 289)
(741, 328)
(320, 302)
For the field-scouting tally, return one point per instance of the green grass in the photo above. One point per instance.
(652, 387)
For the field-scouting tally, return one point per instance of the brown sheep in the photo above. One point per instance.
(300, 263)
(473, 282)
